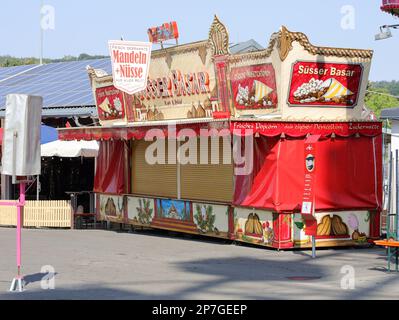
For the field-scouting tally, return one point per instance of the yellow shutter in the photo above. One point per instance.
(152, 180)
(208, 182)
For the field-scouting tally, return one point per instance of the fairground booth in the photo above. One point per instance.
(242, 146)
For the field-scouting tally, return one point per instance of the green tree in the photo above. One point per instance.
(391, 86)
(9, 61)
(380, 99)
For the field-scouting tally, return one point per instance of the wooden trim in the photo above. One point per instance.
(331, 243)
(333, 237)
(171, 224)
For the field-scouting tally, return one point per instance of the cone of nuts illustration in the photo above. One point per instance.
(332, 227)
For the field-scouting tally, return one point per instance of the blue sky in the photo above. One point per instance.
(87, 25)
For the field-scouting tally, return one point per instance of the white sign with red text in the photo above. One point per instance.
(130, 64)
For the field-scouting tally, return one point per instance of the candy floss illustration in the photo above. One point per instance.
(257, 96)
(105, 106)
(335, 89)
(353, 222)
(261, 90)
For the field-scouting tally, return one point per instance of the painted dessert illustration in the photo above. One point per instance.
(253, 226)
(324, 228)
(332, 227)
(110, 208)
(330, 90)
(357, 236)
(105, 106)
(111, 110)
(259, 96)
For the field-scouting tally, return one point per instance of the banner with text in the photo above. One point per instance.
(130, 64)
(325, 84)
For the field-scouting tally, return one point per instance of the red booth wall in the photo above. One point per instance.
(110, 168)
(348, 174)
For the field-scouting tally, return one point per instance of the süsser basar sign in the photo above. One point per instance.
(130, 64)
(325, 84)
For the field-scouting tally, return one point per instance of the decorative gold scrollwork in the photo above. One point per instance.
(219, 38)
(284, 43)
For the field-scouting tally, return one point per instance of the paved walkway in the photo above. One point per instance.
(95, 264)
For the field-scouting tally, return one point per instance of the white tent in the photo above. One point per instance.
(70, 149)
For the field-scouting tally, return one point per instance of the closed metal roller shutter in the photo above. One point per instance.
(152, 180)
(208, 182)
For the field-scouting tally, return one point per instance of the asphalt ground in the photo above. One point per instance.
(157, 265)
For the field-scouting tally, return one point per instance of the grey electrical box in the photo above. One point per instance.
(21, 136)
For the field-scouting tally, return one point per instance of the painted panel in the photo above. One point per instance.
(254, 87)
(110, 103)
(111, 208)
(211, 219)
(140, 211)
(282, 224)
(354, 225)
(325, 84)
(173, 209)
(299, 227)
(253, 226)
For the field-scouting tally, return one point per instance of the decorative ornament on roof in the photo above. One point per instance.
(391, 6)
(284, 43)
(286, 38)
(219, 38)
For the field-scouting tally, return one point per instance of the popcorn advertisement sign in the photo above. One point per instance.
(254, 87)
(130, 64)
(110, 103)
(325, 84)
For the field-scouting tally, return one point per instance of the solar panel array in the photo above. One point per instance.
(13, 71)
(63, 84)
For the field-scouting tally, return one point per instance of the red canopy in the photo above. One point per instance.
(348, 175)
